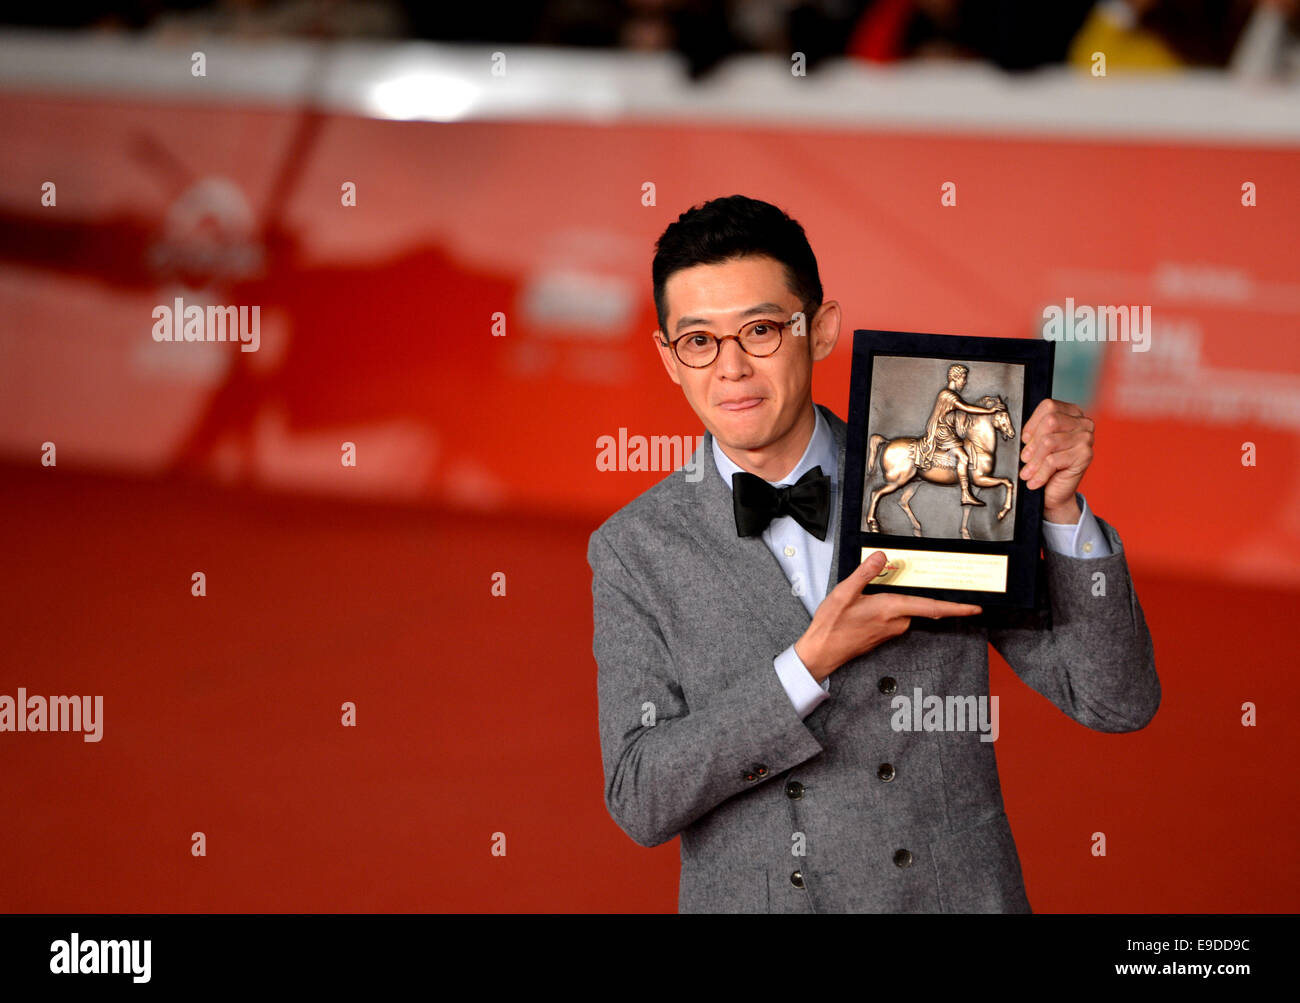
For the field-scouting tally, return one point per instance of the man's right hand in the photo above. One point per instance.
(848, 624)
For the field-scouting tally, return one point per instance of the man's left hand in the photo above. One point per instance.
(1057, 450)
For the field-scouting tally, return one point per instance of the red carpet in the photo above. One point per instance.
(477, 715)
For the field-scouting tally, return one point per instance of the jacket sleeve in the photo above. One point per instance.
(661, 777)
(1096, 660)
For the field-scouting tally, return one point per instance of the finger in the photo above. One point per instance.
(1063, 449)
(1040, 472)
(1050, 441)
(1044, 408)
(870, 568)
(852, 586)
(1042, 443)
(1073, 461)
(936, 608)
(1048, 415)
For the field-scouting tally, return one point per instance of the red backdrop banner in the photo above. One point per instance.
(474, 325)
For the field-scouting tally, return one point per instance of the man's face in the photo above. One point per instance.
(960, 380)
(747, 403)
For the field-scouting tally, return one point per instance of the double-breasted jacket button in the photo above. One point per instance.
(903, 858)
(886, 772)
(761, 770)
(796, 879)
(888, 684)
(794, 790)
(750, 776)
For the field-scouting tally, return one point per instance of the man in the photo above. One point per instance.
(940, 433)
(746, 705)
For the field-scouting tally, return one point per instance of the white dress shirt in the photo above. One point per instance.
(806, 560)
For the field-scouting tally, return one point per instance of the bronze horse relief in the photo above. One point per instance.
(969, 453)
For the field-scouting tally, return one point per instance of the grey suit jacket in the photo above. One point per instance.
(838, 811)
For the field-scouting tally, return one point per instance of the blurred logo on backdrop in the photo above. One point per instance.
(208, 237)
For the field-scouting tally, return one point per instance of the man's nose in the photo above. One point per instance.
(732, 359)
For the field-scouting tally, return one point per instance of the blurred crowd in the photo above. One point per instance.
(1259, 38)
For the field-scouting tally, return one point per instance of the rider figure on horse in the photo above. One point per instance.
(941, 433)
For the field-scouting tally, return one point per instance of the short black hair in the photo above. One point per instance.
(733, 227)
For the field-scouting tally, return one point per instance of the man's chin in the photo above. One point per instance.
(740, 435)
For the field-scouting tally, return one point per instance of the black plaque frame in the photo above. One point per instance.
(1026, 582)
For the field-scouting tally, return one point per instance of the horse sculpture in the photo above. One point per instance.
(898, 464)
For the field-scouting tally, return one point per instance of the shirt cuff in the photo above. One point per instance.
(803, 690)
(1081, 539)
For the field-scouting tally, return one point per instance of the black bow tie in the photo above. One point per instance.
(757, 502)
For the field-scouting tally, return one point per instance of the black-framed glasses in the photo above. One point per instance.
(759, 338)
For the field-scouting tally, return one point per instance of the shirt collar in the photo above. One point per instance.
(820, 453)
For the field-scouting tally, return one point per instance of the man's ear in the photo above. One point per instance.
(825, 330)
(666, 356)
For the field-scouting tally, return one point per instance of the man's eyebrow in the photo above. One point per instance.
(686, 322)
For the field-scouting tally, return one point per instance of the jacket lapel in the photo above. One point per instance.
(840, 430)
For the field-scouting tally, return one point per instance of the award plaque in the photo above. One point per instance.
(932, 466)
